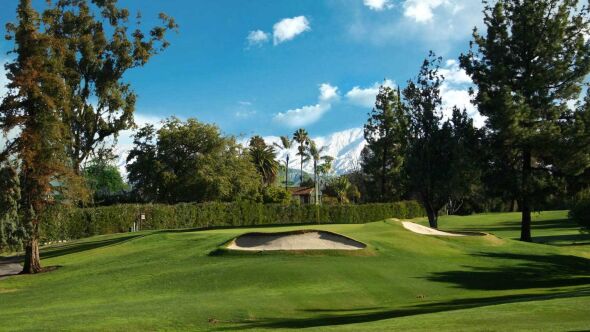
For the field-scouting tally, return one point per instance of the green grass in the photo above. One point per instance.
(169, 280)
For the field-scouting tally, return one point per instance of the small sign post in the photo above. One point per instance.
(141, 219)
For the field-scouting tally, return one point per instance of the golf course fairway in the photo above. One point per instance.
(185, 280)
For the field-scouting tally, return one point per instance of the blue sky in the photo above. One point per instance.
(308, 63)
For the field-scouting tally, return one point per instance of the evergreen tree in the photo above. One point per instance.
(531, 62)
(143, 167)
(36, 103)
(441, 156)
(9, 200)
(385, 133)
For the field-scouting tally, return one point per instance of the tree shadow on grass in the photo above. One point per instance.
(564, 240)
(72, 248)
(515, 225)
(518, 272)
(333, 317)
(530, 271)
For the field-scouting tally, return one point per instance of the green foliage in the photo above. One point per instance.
(104, 179)
(33, 109)
(263, 158)
(101, 44)
(275, 195)
(441, 156)
(73, 223)
(580, 209)
(11, 231)
(382, 158)
(341, 188)
(531, 63)
(190, 162)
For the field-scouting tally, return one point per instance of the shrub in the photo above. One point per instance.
(275, 195)
(72, 223)
(580, 209)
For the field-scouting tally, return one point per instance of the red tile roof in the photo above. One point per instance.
(301, 191)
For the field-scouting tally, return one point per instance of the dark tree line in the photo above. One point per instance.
(528, 69)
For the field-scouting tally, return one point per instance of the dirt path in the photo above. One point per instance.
(9, 267)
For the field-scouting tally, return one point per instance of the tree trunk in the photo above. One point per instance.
(512, 205)
(287, 175)
(432, 217)
(525, 228)
(383, 175)
(430, 211)
(32, 263)
(315, 179)
(301, 174)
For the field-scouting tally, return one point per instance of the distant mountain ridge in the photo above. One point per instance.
(344, 146)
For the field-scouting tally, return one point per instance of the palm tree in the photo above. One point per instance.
(341, 186)
(316, 155)
(300, 136)
(286, 144)
(263, 157)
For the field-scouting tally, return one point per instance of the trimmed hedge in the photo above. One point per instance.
(73, 223)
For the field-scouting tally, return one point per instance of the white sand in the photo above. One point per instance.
(310, 240)
(427, 230)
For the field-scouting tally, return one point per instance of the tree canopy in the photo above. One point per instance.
(190, 162)
(527, 67)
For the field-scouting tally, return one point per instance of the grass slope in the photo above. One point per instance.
(169, 280)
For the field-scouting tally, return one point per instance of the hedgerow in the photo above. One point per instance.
(61, 223)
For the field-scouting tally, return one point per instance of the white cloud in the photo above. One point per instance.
(422, 10)
(328, 93)
(257, 37)
(303, 116)
(437, 24)
(245, 109)
(454, 74)
(306, 115)
(245, 113)
(288, 28)
(378, 5)
(125, 139)
(3, 79)
(365, 97)
(454, 92)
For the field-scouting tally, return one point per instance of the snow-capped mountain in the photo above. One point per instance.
(344, 146)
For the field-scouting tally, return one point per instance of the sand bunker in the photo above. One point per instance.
(300, 240)
(416, 228)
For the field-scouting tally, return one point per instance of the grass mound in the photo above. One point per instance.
(167, 280)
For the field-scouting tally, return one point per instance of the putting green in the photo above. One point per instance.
(174, 280)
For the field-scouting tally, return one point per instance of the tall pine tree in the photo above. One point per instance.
(382, 158)
(530, 63)
(35, 104)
